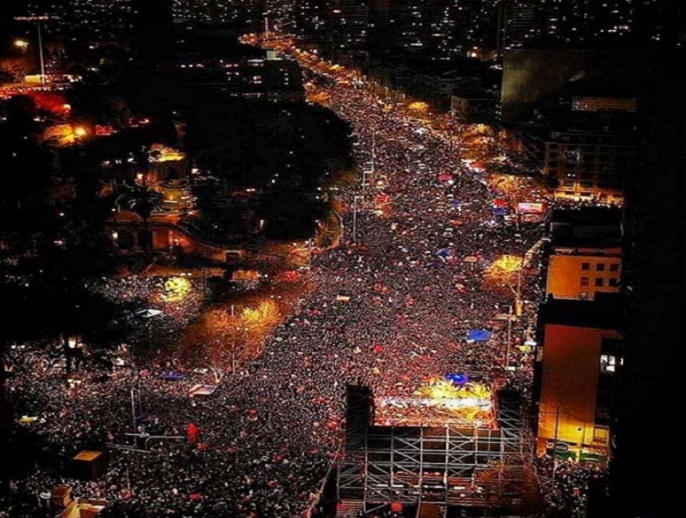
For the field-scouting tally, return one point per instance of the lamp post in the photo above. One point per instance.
(518, 302)
(582, 439)
(557, 427)
(354, 233)
(233, 345)
(509, 336)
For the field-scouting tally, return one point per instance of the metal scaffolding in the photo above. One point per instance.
(449, 466)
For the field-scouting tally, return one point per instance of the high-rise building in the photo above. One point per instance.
(584, 253)
(309, 19)
(578, 361)
(440, 29)
(648, 420)
(523, 23)
(587, 23)
(348, 25)
(381, 25)
(245, 14)
(579, 112)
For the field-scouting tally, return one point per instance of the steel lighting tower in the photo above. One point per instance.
(38, 20)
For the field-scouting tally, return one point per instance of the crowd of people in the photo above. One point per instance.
(394, 306)
(566, 484)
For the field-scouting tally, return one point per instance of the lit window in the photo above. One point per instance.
(608, 363)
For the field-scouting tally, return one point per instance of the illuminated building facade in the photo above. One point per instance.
(584, 254)
(580, 273)
(249, 77)
(579, 116)
(577, 365)
(587, 164)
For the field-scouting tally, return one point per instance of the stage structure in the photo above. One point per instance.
(436, 457)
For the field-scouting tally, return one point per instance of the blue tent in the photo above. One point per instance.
(456, 378)
(444, 253)
(172, 376)
(479, 335)
(455, 204)
(499, 212)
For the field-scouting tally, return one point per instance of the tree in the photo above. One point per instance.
(506, 272)
(142, 200)
(224, 337)
(14, 69)
(213, 340)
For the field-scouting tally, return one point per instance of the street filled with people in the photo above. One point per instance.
(394, 307)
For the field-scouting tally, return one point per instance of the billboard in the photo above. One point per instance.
(530, 208)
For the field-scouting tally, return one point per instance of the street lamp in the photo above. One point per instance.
(354, 233)
(582, 439)
(22, 44)
(510, 317)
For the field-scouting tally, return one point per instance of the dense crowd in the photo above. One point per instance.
(393, 308)
(566, 484)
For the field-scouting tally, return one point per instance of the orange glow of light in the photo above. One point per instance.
(265, 315)
(54, 102)
(419, 106)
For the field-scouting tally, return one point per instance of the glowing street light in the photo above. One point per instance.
(507, 271)
(22, 44)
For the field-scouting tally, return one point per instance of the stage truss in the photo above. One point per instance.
(464, 466)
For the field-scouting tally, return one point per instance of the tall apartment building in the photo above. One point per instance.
(309, 19)
(646, 432)
(348, 25)
(584, 253)
(582, 23)
(441, 29)
(578, 110)
(587, 163)
(577, 365)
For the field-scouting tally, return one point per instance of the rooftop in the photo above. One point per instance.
(605, 312)
(588, 227)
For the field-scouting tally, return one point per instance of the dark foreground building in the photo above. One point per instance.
(651, 395)
(153, 31)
